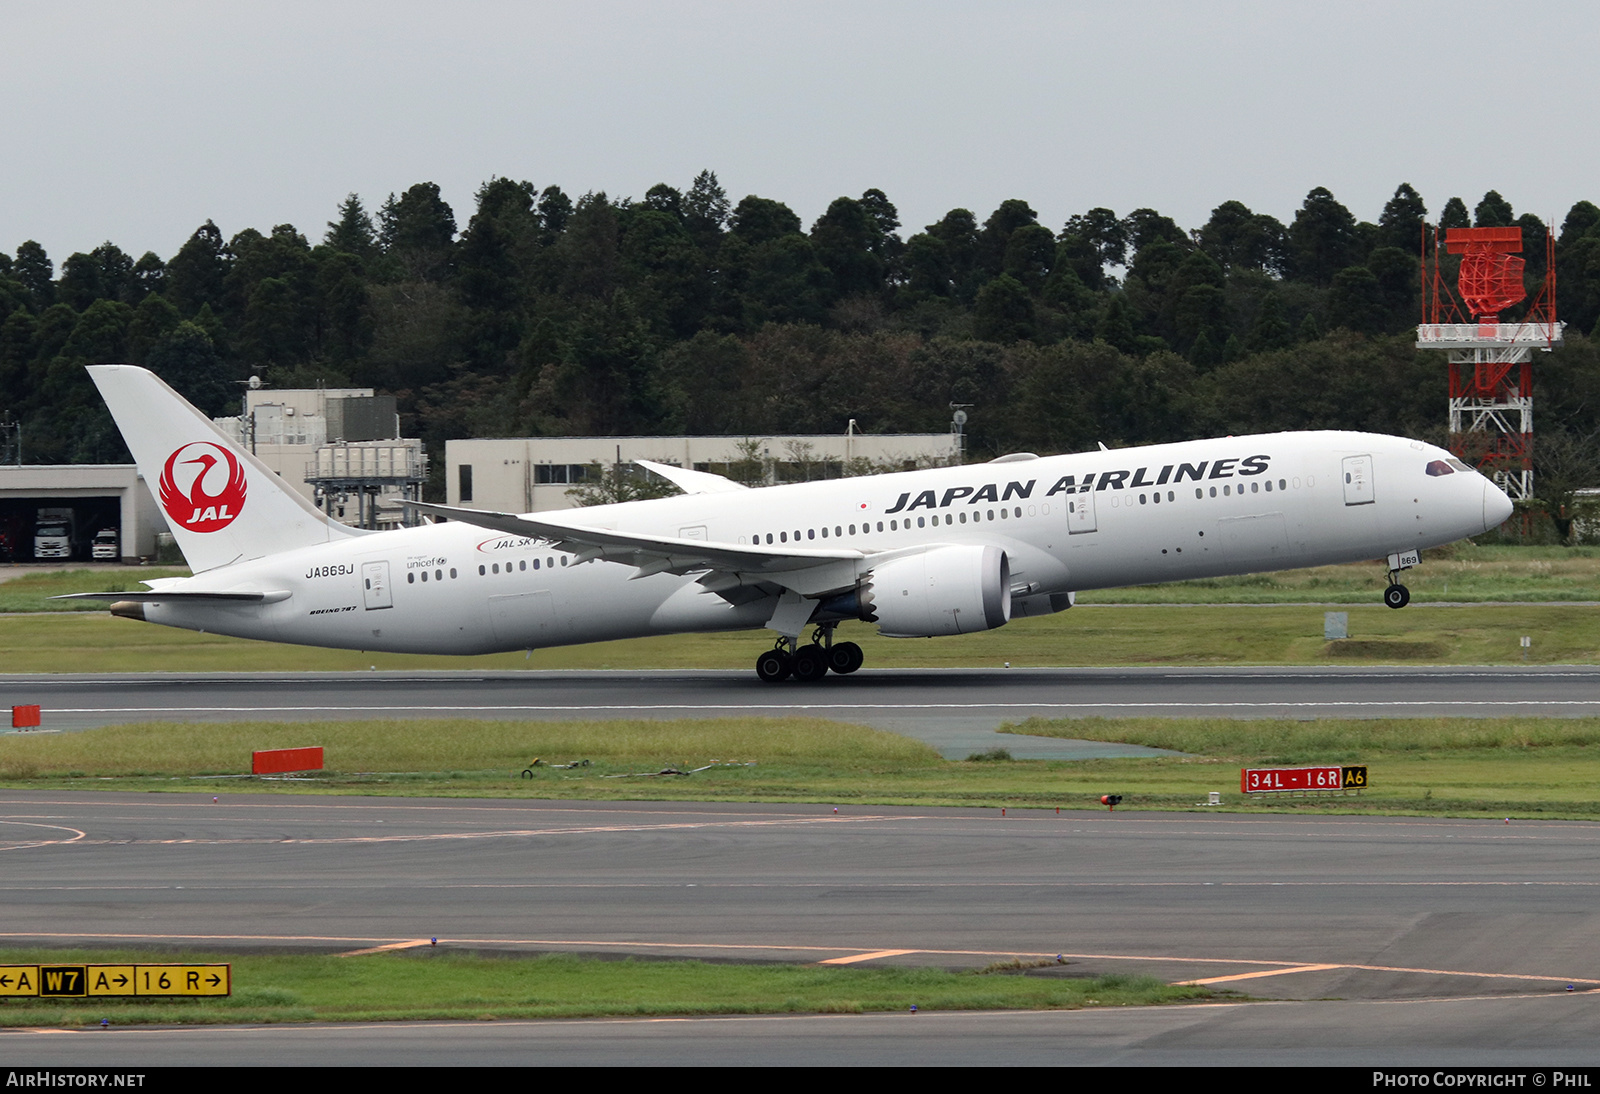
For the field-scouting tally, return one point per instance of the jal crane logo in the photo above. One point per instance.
(212, 487)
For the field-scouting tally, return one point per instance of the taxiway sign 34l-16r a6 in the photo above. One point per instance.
(919, 553)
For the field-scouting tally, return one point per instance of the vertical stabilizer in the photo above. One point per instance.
(222, 504)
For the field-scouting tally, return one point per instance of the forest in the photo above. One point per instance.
(686, 312)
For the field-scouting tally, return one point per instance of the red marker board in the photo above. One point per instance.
(1258, 780)
(276, 761)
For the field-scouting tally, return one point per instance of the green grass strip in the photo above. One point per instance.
(428, 984)
(1087, 636)
(32, 591)
(1468, 767)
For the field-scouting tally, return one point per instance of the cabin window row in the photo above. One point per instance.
(1255, 488)
(485, 569)
(866, 527)
(438, 575)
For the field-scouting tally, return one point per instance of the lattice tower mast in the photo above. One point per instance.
(1491, 363)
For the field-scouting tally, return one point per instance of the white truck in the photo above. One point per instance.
(53, 534)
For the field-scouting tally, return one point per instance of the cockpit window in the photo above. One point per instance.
(1458, 465)
(1439, 467)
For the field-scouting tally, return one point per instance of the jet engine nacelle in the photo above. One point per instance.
(946, 590)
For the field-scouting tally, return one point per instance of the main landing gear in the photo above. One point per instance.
(812, 661)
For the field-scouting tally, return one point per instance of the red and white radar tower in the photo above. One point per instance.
(1491, 363)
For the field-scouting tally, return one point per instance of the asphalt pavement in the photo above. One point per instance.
(955, 710)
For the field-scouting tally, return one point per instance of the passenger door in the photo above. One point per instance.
(375, 585)
(1080, 512)
(1358, 480)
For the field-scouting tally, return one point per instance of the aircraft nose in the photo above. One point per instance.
(1496, 506)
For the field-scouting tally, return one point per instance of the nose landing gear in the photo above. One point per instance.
(1397, 595)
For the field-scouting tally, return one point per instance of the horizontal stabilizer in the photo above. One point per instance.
(156, 595)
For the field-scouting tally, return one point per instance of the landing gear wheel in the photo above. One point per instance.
(810, 663)
(845, 657)
(774, 665)
(1397, 596)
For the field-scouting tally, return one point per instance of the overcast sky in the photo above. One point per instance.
(135, 122)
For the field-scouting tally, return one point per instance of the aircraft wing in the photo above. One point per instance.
(691, 481)
(807, 571)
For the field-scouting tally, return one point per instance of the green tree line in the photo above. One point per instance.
(687, 312)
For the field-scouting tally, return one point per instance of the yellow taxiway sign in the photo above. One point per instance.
(83, 981)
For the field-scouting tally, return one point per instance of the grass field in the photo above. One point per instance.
(1483, 634)
(1461, 572)
(443, 985)
(1521, 767)
(32, 591)
(1503, 593)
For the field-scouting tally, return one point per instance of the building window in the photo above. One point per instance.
(465, 473)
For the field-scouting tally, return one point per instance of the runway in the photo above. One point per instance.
(1369, 940)
(955, 710)
(1377, 940)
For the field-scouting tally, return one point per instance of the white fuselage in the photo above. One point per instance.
(1067, 523)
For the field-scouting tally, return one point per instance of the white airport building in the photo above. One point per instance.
(534, 474)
